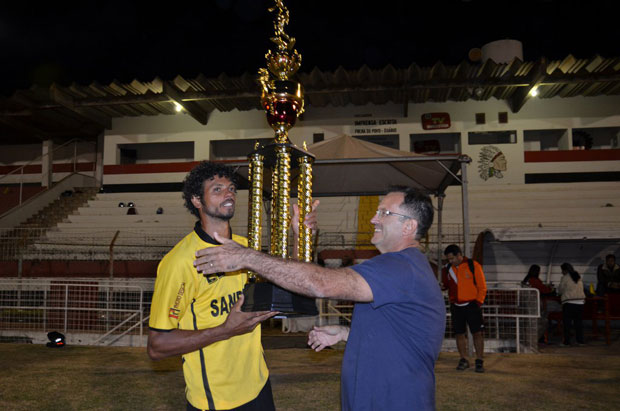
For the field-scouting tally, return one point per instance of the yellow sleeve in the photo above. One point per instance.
(172, 296)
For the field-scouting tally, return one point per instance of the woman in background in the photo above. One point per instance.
(532, 280)
(546, 304)
(573, 299)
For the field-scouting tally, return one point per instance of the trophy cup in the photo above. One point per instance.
(282, 99)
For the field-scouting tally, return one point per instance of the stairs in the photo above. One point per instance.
(61, 208)
(15, 240)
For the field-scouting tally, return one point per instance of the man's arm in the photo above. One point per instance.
(481, 283)
(162, 344)
(302, 278)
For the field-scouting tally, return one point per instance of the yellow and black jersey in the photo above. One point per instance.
(225, 374)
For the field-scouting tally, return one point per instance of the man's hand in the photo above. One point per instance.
(321, 337)
(230, 256)
(239, 322)
(310, 220)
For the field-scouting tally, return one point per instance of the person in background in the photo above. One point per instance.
(573, 300)
(532, 279)
(608, 276)
(467, 290)
(546, 304)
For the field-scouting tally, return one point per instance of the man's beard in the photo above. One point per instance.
(220, 216)
(216, 214)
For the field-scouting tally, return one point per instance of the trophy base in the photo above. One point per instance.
(264, 296)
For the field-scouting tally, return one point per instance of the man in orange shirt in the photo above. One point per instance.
(467, 289)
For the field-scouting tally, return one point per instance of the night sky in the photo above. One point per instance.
(106, 40)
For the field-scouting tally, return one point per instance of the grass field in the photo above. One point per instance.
(34, 377)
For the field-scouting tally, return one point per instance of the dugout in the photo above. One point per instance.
(507, 253)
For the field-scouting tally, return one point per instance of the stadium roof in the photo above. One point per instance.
(62, 112)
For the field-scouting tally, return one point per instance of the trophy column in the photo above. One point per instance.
(255, 204)
(304, 202)
(281, 201)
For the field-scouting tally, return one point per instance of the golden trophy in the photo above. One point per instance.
(283, 100)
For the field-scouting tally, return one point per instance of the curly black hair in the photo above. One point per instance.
(193, 185)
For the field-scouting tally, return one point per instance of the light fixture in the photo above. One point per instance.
(534, 92)
(178, 107)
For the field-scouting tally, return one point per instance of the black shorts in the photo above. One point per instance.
(469, 314)
(264, 401)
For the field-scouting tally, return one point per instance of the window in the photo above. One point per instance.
(146, 153)
(599, 138)
(387, 140)
(235, 149)
(545, 140)
(435, 143)
(492, 137)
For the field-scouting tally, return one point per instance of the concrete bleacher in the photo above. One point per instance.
(146, 235)
(88, 232)
(533, 204)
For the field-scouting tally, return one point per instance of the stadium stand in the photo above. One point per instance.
(88, 233)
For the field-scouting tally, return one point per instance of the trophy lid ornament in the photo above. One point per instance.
(281, 97)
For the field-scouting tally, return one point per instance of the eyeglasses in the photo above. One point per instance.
(383, 213)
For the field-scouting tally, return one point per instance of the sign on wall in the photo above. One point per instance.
(435, 121)
(382, 126)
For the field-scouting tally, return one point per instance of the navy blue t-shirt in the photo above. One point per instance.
(389, 360)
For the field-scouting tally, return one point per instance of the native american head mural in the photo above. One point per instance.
(491, 163)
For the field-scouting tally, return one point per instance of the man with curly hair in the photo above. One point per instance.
(199, 316)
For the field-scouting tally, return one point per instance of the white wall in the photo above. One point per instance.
(21, 154)
(563, 113)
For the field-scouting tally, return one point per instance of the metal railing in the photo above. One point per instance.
(511, 317)
(103, 312)
(35, 243)
(19, 170)
(99, 311)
